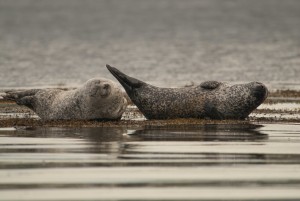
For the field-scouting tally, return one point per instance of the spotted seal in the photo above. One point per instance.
(210, 99)
(97, 99)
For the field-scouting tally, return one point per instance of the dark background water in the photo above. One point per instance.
(166, 42)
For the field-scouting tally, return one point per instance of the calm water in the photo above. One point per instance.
(165, 42)
(212, 162)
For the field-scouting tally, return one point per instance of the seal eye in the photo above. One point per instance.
(105, 90)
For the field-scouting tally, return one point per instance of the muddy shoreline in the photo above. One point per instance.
(13, 115)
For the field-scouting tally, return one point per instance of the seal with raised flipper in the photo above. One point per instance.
(210, 99)
(97, 99)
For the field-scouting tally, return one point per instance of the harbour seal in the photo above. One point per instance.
(211, 99)
(97, 99)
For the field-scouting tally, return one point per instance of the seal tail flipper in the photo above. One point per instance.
(129, 83)
(21, 97)
(14, 95)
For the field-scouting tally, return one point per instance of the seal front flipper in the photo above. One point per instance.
(129, 83)
(27, 101)
(210, 85)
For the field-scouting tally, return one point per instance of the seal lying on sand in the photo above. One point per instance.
(211, 99)
(97, 99)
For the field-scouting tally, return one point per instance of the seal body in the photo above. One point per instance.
(211, 99)
(97, 99)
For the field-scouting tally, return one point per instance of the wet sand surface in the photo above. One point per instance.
(167, 43)
(281, 106)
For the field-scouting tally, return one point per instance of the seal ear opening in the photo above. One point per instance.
(129, 83)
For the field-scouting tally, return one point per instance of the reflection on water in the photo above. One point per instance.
(209, 132)
(242, 162)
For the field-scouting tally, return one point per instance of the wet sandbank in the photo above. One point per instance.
(281, 106)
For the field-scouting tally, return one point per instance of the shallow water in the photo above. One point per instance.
(215, 162)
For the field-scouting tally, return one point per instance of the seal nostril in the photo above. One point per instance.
(260, 91)
(260, 87)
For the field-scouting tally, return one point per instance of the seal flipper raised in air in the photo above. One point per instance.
(129, 83)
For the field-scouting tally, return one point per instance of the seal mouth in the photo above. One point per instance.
(127, 82)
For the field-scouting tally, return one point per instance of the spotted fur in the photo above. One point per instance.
(211, 99)
(97, 99)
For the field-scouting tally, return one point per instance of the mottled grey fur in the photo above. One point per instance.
(211, 99)
(97, 99)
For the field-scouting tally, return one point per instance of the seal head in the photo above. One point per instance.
(234, 101)
(211, 99)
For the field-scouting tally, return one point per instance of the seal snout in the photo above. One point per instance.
(260, 91)
(99, 88)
